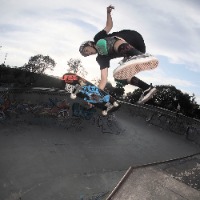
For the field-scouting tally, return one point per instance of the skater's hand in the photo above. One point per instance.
(109, 22)
(110, 8)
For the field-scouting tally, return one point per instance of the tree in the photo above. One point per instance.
(119, 90)
(39, 64)
(116, 92)
(167, 97)
(173, 99)
(196, 111)
(75, 66)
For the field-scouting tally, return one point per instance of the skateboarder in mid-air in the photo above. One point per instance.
(125, 43)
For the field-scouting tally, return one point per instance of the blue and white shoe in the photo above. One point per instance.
(147, 95)
(130, 66)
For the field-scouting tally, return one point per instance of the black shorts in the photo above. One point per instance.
(133, 38)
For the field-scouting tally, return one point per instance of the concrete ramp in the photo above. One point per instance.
(171, 180)
(53, 148)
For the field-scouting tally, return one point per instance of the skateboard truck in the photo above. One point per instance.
(74, 94)
(109, 107)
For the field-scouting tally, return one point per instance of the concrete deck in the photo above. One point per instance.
(172, 180)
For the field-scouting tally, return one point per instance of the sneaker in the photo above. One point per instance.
(128, 58)
(125, 59)
(147, 95)
(132, 65)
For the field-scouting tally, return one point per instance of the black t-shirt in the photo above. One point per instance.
(130, 36)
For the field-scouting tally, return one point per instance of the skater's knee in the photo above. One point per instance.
(118, 43)
(124, 47)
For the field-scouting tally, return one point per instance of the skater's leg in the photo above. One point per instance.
(139, 83)
(148, 90)
(127, 50)
(134, 81)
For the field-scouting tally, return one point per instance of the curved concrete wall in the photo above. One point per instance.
(49, 106)
(167, 120)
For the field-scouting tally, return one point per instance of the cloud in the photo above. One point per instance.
(54, 29)
(170, 28)
(167, 29)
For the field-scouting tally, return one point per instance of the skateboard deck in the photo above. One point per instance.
(133, 65)
(78, 86)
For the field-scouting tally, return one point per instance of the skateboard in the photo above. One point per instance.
(133, 65)
(78, 86)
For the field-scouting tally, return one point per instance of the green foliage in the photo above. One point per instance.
(116, 92)
(39, 64)
(170, 98)
(133, 97)
(166, 96)
(173, 99)
(75, 66)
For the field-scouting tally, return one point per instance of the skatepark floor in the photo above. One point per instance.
(85, 157)
(47, 162)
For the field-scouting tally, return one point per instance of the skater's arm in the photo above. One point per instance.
(109, 21)
(103, 81)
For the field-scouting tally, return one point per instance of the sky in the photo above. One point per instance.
(170, 28)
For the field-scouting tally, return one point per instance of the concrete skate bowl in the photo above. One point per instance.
(54, 148)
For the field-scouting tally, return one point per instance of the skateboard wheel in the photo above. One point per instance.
(73, 96)
(104, 112)
(115, 104)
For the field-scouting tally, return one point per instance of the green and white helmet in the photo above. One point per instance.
(85, 44)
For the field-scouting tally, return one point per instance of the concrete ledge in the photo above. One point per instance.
(176, 123)
(174, 180)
